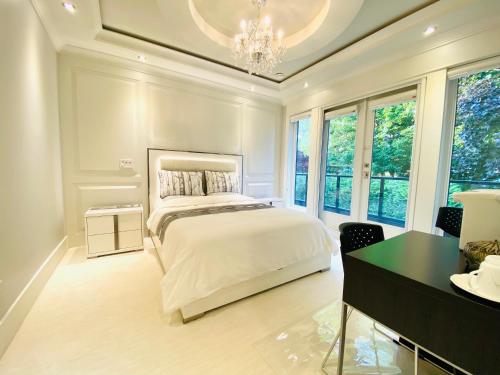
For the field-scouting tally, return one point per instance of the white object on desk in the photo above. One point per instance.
(464, 281)
(487, 281)
(273, 201)
(481, 218)
(114, 229)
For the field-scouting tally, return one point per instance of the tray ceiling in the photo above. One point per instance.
(225, 15)
(314, 29)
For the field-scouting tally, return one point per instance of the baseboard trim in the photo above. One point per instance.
(14, 317)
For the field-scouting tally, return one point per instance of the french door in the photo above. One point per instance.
(341, 165)
(367, 162)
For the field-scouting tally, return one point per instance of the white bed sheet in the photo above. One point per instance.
(204, 254)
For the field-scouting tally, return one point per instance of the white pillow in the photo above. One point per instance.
(222, 182)
(180, 183)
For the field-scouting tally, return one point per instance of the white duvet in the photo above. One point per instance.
(204, 254)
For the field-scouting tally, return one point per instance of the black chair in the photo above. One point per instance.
(354, 236)
(449, 219)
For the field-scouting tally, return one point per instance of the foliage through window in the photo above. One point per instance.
(391, 162)
(341, 137)
(302, 139)
(475, 160)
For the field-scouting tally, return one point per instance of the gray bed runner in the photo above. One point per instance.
(171, 216)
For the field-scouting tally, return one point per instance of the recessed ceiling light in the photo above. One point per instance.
(70, 7)
(252, 88)
(306, 85)
(430, 30)
(141, 58)
(279, 74)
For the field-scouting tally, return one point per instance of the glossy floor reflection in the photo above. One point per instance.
(300, 347)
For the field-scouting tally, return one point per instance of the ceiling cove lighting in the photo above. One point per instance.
(430, 30)
(70, 7)
(257, 48)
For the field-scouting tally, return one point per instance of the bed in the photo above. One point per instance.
(219, 248)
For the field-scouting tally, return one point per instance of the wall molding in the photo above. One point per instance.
(455, 48)
(15, 315)
(134, 86)
(158, 136)
(171, 114)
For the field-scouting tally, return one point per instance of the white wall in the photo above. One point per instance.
(31, 215)
(112, 109)
(429, 71)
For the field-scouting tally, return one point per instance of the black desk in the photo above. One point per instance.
(404, 284)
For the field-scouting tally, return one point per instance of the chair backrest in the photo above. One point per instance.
(354, 236)
(449, 219)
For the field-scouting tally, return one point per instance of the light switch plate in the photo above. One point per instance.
(126, 163)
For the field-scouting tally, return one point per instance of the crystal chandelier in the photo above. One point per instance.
(256, 48)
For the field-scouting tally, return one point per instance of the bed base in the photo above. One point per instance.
(190, 319)
(196, 309)
(256, 285)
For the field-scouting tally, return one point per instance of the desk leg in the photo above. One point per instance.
(416, 360)
(343, 325)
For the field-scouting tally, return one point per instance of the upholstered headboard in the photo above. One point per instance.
(186, 161)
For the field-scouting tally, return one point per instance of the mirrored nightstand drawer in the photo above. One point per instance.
(100, 225)
(101, 243)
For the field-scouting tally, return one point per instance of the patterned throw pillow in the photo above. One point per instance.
(222, 182)
(180, 183)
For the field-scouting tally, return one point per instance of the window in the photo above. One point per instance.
(393, 130)
(475, 158)
(340, 135)
(366, 158)
(302, 128)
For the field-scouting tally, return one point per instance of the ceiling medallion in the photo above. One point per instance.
(256, 48)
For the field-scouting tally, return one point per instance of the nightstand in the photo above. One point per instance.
(114, 229)
(273, 201)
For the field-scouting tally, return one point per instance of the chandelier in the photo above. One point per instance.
(256, 48)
